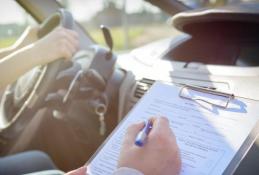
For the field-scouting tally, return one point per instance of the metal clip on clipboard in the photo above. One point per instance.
(227, 96)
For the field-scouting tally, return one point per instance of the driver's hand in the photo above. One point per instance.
(59, 43)
(160, 154)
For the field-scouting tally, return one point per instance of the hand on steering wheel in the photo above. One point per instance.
(59, 43)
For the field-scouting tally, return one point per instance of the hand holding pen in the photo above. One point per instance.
(160, 153)
(142, 135)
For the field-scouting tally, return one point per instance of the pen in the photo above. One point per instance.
(142, 135)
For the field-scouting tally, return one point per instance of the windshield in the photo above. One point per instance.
(13, 24)
(132, 23)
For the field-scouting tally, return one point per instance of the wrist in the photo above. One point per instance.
(32, 55)
(38, 53)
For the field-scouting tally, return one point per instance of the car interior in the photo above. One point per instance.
(68, 109)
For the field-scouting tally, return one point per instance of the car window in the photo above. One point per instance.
(14, 19)
(132, 22)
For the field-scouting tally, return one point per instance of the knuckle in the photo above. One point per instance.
(63, 42)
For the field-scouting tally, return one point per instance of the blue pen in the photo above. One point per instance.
(142, 135)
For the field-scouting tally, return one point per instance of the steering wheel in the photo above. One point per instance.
(21, 99)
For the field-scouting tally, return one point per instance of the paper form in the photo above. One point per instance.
(208, 138)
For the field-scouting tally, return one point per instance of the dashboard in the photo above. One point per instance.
(154, 62)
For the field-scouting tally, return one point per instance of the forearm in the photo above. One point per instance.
(60, 43)
(16, 64)
(6, 51)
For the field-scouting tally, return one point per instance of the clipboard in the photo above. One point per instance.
(249, 141)
(242, 151)
(228, 97)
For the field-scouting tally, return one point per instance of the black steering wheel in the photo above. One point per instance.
(21, 99)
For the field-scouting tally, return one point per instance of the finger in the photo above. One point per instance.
(73, 40)
(71, 47)
(66, 32)
(65, 52)
(69, 35)
(79, 171)
(160, 125)
(132, 132)
(73, 33)
(161, 129)
(69, 50)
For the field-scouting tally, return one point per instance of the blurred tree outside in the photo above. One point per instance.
(128, 30)
(133, 23)
(9, 33)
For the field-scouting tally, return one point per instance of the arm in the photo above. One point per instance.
(28, 36)
(60, 43)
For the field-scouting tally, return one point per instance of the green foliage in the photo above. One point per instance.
(7, 42)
